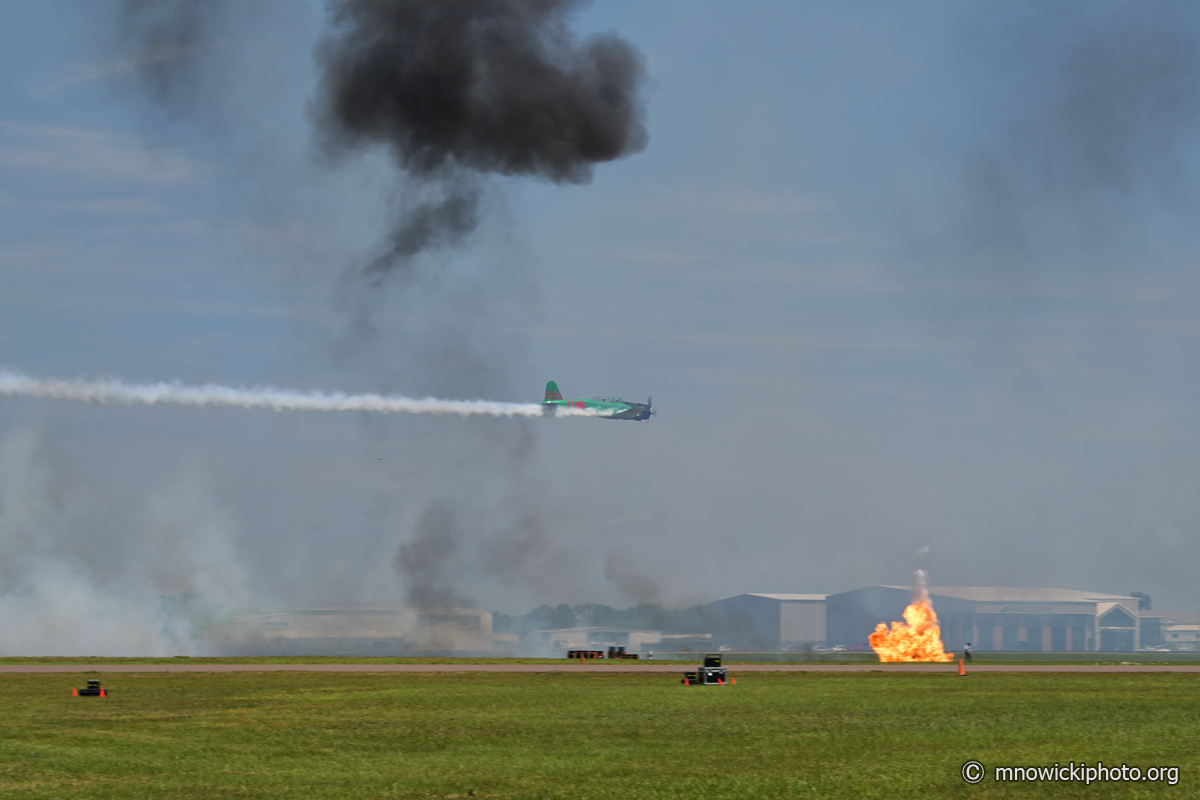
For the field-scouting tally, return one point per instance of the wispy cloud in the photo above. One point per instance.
(111, 68)
(112, 206)
(756, 340)
(128, 303)
(89, 154)
(732, 201)
(135, 206)
(802, 216)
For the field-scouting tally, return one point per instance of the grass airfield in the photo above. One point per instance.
(576, 735)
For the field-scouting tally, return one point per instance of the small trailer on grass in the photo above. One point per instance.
(711, 674)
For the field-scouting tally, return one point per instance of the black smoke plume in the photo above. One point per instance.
(458, 90)
(488, 85)
(422, 561)
(462, 543)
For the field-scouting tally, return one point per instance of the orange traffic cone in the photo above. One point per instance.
(733, 680)
(74, 692)
(102, 692)
(961, 669)
(686, 682)
(720, 682)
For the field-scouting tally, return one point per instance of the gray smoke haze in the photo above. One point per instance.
(455, 92)
(1041, 431)
(170, 43)
(1090, 112)
(422, 561)
(621, 571)
(81, 575)
(199, 67)
(460, 550)
(453, 97)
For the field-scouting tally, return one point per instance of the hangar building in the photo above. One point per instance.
(996, 619)
(1170, 630)
(368, 630)
(771, 621)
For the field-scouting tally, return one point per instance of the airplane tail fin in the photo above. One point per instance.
(552, 392)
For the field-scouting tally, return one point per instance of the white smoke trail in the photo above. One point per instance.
(113, 392)
(921, 585)
(920, 576)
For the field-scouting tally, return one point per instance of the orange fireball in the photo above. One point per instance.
(918, 640)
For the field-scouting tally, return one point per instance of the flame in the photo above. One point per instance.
(918, 640)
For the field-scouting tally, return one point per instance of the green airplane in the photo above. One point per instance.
(605, 407)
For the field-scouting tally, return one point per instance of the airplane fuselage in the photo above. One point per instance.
(603, 407)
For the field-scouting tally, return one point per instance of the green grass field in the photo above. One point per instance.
(578, 736)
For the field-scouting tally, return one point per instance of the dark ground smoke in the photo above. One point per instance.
(423, 560)
(456, 90)
(457, 545)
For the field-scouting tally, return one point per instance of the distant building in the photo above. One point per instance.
(593, 638)
(686, 641)
(1150, 631)
(997, 619)
(771, 621)
(366, 630)
(1173, 630)
(447, 627)
(1181, 637)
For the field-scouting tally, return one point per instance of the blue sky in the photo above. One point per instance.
(895, 277)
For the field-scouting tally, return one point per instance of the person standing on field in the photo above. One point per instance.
(967, 651)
